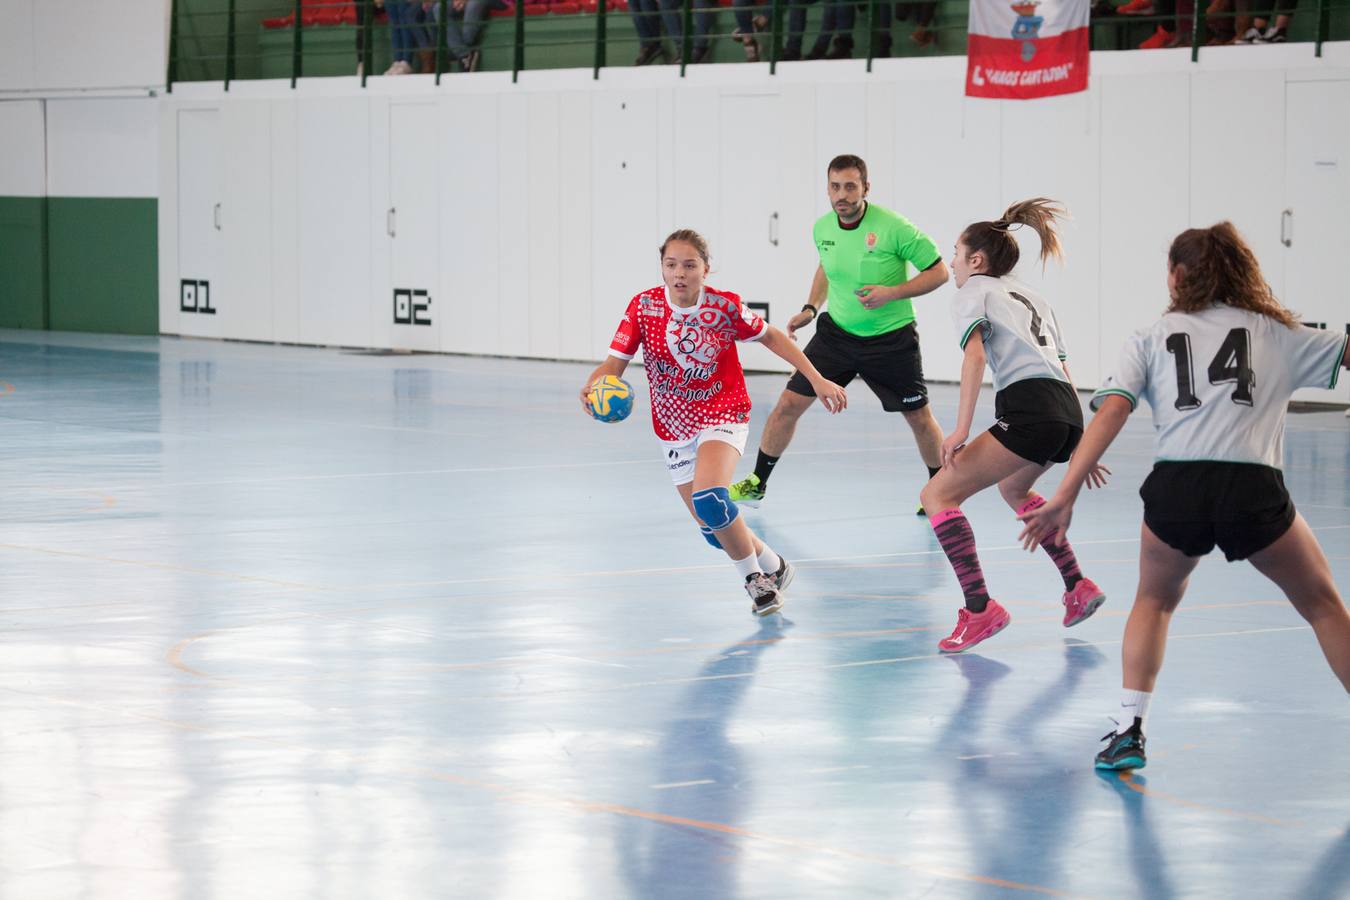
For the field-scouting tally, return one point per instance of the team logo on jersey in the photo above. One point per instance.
(698, 340)
(871, 240)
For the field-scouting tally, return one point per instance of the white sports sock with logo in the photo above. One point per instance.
(1132, 704)
(768, 560)
(748, 566)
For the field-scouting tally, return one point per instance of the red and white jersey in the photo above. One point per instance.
(690, 356)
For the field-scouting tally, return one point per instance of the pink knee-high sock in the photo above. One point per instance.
(1060, 554)
(958, 542)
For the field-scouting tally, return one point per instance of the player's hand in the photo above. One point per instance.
(831, 395)
(1051, 519)
(1096, 478)
(800, 320)
(951, 445)
(586, 399)
(874, 296)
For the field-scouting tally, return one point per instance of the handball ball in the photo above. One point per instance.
(611, 399)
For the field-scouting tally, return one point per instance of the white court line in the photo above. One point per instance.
(680, 784)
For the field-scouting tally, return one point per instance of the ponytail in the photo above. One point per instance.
(1000, 249)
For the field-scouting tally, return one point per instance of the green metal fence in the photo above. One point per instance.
(229, 40)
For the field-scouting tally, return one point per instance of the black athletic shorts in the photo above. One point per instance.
(888, 363)
(1039, 419)
(1192, 506)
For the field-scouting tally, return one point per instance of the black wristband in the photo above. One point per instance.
(814, 312)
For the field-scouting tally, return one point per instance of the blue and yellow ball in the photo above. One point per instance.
(611, 399)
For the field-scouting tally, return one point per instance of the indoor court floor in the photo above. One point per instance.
(295, 622)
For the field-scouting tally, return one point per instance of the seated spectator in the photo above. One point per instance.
(464, 27)
(1260, 30)
(672, 17)
(407, 34)
(378, 7)
(923, 35)
(647, 23)
(748, 25)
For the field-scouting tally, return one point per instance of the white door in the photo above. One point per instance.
(201, 214)
(750, 248)
(412, 225)
(1315, 230)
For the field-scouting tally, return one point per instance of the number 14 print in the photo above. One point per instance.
(1231, 365)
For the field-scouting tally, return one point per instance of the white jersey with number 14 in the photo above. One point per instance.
(1219, 381)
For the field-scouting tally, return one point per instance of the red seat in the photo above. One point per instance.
(565, 9)
(320, 12)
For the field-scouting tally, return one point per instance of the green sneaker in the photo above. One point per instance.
(747, 491)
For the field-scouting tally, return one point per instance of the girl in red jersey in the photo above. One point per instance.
(700, 408)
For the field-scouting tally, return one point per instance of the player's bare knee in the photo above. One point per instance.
(792, 405)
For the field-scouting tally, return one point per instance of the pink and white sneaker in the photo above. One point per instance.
(972, 628)
(1082, 601)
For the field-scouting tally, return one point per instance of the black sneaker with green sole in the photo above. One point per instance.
(1125, 750)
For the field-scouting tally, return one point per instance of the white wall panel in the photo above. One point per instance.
(946, 175)
(335, 222)
(543, 172)
(285, 201)
(513, 235)
(102, 148)
(548, 204)
(245, 310)
(98, 44)
(749, 233)
(625, 217)
(1051, 148)
(1317, 184)
(23, 163)
(413, 166)
(470, 213)
(1237, 159)
(1145, 200)
(201, 187)
(18, 51)
(574, 294)
(167, 217)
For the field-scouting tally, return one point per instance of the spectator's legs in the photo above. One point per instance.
(796, 27)
(829, 23)
(400, 41)
(645, 23)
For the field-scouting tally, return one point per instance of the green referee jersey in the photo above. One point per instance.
(872, 251)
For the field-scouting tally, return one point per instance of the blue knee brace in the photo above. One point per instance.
(710, 537)
(715, 508)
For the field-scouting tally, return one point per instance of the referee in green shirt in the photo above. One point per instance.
(865, 251)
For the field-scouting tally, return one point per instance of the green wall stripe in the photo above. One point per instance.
(23, 265)
(103, 264)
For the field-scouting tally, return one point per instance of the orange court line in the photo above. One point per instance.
(1127, 778)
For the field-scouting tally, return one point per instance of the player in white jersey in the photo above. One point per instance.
(687, 332)
(1218, 370)
(1002, 322)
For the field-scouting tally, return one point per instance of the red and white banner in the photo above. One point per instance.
(1020, 49)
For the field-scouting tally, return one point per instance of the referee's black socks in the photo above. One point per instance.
(764, 467)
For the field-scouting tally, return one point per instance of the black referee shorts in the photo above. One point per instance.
(888, 363)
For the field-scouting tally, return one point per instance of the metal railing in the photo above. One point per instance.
(228, 40)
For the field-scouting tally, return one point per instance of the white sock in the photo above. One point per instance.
(1132, 704)
(748, 566)
(768, 560)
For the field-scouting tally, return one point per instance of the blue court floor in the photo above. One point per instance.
(293, 622)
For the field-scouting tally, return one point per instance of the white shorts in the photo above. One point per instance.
(681, 455)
